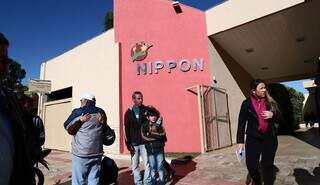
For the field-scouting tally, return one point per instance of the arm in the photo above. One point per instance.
(102, 117)
(145, 133)
(242, 121)
(127, 128)
(74, 128)
(160, 133)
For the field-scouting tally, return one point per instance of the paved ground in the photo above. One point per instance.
(297, 158)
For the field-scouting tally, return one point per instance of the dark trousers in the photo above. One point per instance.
(267, 148)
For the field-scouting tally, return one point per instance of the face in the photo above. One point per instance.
(152, 119)
(137, 100)
(260, 91)
(83, 102)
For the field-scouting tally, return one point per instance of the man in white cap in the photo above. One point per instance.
(87, 124)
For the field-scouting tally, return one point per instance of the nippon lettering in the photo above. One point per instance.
(183, 65)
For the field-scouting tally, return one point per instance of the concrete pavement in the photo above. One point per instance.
(297, 160)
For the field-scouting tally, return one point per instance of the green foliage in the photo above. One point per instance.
(108, 21)
(14, 76)
(296, 98)
(290, 103)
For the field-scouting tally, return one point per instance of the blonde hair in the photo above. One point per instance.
(273, 104)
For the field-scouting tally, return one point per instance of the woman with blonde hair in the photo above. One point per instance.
(257, 120)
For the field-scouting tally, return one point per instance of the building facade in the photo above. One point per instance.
(176, 56)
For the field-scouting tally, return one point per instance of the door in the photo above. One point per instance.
(216, 120)
(55, 113)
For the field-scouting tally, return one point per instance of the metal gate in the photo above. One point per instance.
(214, 117)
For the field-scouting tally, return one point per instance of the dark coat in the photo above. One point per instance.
(248, 123)
(133, 127)
(23, 169)
(155, 141)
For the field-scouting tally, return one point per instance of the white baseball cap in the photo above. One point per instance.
(88, 96)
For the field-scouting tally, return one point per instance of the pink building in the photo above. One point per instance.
(179, 43)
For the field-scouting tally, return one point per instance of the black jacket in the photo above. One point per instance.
(154, 137)
(248, 117)
(23, 170)
(133, 127)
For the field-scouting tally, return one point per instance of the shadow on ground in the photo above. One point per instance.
(304, 177)
(182, 170)
(126, 177)
(309, 135)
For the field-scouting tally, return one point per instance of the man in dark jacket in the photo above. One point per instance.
(34, 127)
(133, 119)
(16, 167)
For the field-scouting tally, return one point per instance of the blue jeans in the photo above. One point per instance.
(86, 170)
(135, 160)
(156, 161)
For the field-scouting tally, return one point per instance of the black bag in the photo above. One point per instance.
(109, 171)
(110, 136)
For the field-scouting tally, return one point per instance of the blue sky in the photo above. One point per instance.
(297, 85)
(39, 30)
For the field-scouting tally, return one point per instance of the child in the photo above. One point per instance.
(155, 137)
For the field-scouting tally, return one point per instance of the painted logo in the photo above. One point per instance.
(140, 51)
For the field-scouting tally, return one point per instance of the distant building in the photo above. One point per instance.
(310, 107)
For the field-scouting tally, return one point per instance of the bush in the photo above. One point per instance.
(290, 104)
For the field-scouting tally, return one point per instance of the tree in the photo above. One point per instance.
(13, 77)
(290, 104)
(296, 99)
(108, 21)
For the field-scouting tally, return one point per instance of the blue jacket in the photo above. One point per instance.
(79, 111)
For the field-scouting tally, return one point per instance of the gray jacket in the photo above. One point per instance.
(88, 141)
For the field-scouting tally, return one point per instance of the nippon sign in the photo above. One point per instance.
(40, 86)
(140, 51)
(183, 65)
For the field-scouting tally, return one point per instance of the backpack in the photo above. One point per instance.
(110, 136)
(38, 126)
(109, 171)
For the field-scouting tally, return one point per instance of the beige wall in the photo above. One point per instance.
(91, 67)
(242, 77)
(236, 12)
(225, 79)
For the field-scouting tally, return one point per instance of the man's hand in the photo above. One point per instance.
(85, 117)
(102, 118)
(131, 149)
